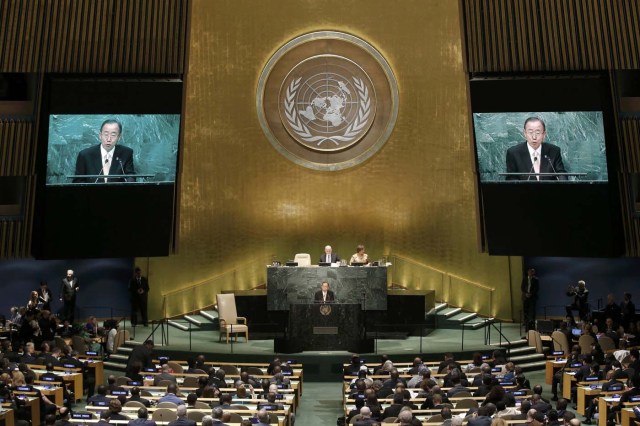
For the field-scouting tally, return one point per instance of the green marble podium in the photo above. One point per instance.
(362, 285)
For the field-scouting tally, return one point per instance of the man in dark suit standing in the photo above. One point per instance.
(533, 156)
(324, 295)
(106, 158)
(45, 296)
(329, 256)
(138, 291)
(68, 290)
(529, 289)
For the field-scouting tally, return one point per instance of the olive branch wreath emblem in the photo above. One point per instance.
(352, 131)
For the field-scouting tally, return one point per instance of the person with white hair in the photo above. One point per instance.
(68, 289)
(580, 303)
(365, 417)
(182, 419)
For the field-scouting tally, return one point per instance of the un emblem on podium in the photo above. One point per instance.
(325, 309)
(327, 100)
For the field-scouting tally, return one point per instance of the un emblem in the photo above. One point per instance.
(327, 100)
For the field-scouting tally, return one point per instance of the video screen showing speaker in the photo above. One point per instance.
(112, 148)
(544, 146)
(546, 156)
(108, 166)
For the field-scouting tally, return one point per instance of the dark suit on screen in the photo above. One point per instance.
(331, 297)
(89, 162)
(519, 161)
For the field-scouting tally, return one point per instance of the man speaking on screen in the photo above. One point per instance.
(107, 158)
(533, 156)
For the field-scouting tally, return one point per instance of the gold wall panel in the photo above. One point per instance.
(242, 202)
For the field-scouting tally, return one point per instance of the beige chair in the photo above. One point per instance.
(463, 394)
(586, 341)
(190, 382)
(389, 420)
(195, 415)
(164, 414)
(165, 383)
(303, 259)
(606, 343)
(436, 419)
(255, 371)
(230, 370)
(122, 381)
(560, 342)
(121, 337)
(134, 404)
(202, 405)
(78, 344)
(230, 322)
(467, 403)
(167, 404)
(535, 341)
(59, 342)
(235, 418)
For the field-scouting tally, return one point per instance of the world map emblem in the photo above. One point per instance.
(327, 100)
(325, 105)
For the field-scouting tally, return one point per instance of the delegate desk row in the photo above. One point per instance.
(154, 393)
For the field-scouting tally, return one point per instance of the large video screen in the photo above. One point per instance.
(546, 160)
(139, 148)
(550, 147)
(108, 166)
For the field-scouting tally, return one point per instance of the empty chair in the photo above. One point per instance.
(190, 382)
(59, 342)
(202, 405)
(230, 369)
(606, 343)
(586, 341)
(164, 383)
(79, 344)
(463, 394)
(167, 404)
(122, 380)
(389, 420)
(303, 259)
(144, 392)
(535, 340)
(435, 419)
(238, 407)
(195, 415)
(133, 404)
(467, 403)
(230, 322)
(164, 414)
(560, 342)
(121, 337)
(235, 418)
(255, 371)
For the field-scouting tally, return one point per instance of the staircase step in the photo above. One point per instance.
(436, 309)
(521, 350)
(449, 312)
(115, 366)
(479, 322)
(125, 349)
(210, 315)
(119, 357)
(464, 317)
(531, 366)
(527, 358)
(514, 343)
(180, 325)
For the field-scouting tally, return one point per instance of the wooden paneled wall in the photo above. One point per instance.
(77, 37)
(551, 35)
(524, 36)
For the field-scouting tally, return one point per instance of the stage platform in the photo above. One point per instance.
(321, 365)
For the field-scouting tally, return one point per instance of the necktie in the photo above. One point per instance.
(324, 296)
(329, 258)
(529, 286)
(536, 164)
(105, 168)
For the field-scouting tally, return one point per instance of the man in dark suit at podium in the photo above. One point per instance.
(329, 256)
(106, 158)
(533, 156)
(324, 295)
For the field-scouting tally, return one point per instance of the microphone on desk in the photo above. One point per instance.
(552, 168)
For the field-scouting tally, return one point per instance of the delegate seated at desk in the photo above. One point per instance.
(329, 256)
(324, 295)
